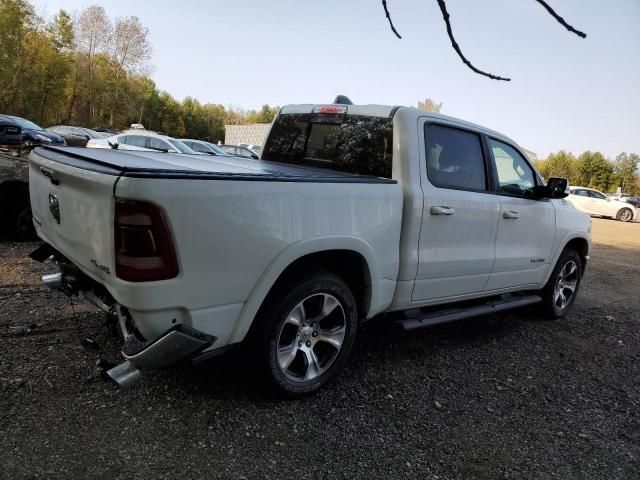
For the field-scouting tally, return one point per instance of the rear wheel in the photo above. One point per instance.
(304, 339)
(625, 215)
(561, 290)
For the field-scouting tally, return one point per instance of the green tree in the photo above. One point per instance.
(626, 172)
(265, 115)
(594, 171)
(17, 21)
(61, 31)
(561, 164)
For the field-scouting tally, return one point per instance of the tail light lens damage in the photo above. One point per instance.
(143, 243)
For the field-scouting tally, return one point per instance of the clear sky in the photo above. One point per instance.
(566, 92)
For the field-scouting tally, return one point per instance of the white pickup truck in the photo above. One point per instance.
(352, 212)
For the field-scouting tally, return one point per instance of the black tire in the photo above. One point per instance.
(275, 333)
(552, 304)
(19, 221)
(625, 214)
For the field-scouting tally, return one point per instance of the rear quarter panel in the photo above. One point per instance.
(233, 238)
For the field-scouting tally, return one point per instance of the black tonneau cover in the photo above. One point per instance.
(142, 164)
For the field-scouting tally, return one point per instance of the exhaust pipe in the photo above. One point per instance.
(53, 281)
(125, 374)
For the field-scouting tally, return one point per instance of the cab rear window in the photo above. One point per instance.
(357, 144)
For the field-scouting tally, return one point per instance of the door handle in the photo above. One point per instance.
(511, 215)
(442, 210)
(49, 173)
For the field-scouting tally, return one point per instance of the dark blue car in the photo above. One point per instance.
(28, 134)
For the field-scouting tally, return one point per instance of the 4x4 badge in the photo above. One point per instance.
(54, 207)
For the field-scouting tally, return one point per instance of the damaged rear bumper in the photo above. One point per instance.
(178, 343)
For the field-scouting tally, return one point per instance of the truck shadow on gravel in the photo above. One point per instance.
(380, 347)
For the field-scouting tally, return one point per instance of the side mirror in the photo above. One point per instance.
(555, 188)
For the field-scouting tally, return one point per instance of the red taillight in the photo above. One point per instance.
(143, 243)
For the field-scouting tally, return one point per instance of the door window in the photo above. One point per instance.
(454, 158)
(158, 144)
(515, 176)
(198, 147)
(135, 140)
(598, 195)
(580, 193)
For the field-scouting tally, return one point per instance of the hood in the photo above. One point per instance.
(33, 134)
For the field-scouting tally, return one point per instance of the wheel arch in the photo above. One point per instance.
(581, 246)
(350, 258)
(9, 190)
(13, 187)
(576, 240)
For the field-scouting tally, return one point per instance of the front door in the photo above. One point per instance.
(600, 204)
(460, 216)
(526, 227)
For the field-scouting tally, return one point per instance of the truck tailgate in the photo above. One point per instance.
(73, 211)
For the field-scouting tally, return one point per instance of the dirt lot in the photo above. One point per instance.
(502, 397)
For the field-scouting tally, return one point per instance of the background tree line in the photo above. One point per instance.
(592, 169)
(92, 70)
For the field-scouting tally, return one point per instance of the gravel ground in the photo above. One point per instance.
(510, 396)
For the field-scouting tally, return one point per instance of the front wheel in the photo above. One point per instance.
(625, 215)
(304, 339)
(561, 290)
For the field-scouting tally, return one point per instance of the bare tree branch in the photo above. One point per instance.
(561, 20)
(456, 47)
(386, 11)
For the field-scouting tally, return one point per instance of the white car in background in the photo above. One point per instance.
(594, 202)
(142, 140)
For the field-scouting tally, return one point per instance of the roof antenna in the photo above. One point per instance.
(342, 100)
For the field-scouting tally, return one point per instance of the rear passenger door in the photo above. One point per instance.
(526, 227)
(460, 214)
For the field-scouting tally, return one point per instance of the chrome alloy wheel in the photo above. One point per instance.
(566, 284)
(625, 215)
(311, 337)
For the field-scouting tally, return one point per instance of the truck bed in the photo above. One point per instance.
(236, 225)
(167, 165)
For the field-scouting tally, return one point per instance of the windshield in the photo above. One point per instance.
(216, 149)
(357, 144)
(93, 133)
(181, 147)
(26, 123)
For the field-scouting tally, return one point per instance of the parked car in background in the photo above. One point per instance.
(106, 130)
(238, 151)
(353, 211)
(597, 203)
(142, 140)
(31, 135)
(633, 200)
(201, 146)
(257, 149)
(75, 136)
